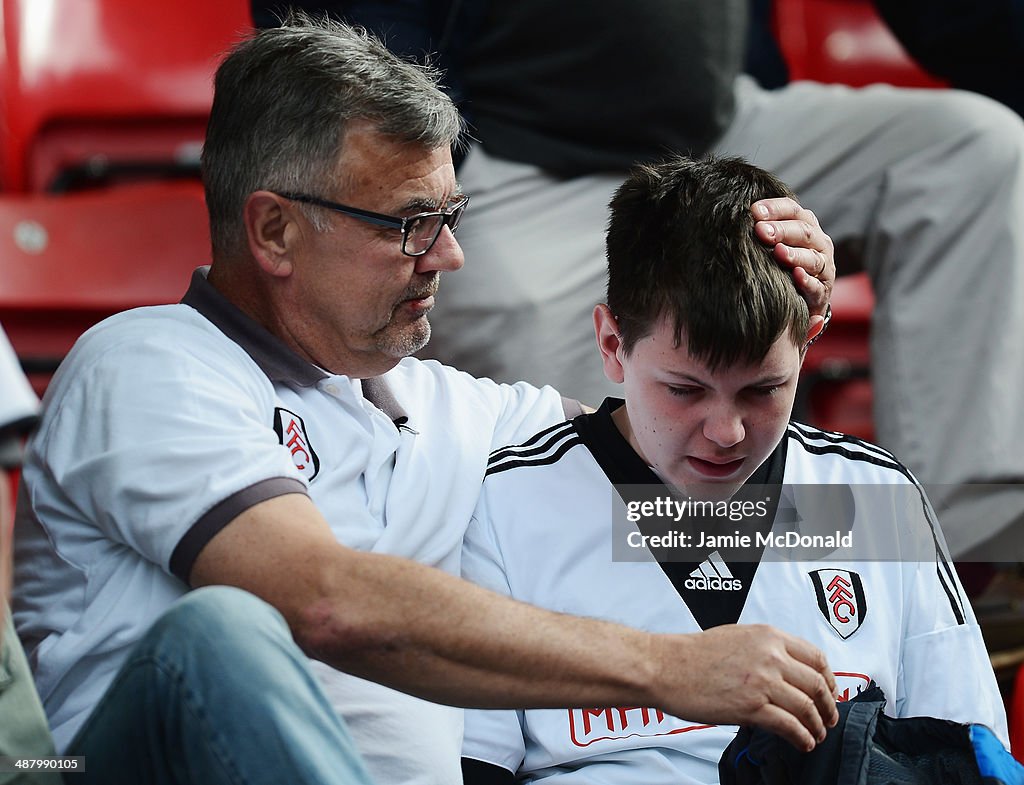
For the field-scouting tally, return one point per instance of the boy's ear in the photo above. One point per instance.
(272, 231)
(606, 328)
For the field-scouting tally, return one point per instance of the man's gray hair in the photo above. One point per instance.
(282, 99)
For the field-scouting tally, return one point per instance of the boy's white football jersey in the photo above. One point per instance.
(896, 614)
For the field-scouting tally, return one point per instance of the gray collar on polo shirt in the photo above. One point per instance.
(275, 359)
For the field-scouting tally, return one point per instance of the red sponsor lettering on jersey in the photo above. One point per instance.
(587, 726)
(848, 684)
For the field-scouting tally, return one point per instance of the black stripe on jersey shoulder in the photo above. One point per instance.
(541, 449)
(830, 442)
(536, 443)
(821, 442)
(945, 572)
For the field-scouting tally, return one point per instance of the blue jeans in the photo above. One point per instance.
(216, 692)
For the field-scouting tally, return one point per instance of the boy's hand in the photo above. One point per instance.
(799, 243)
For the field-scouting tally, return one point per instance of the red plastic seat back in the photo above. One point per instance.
(843, 41)
(114, 78)
(68, 261)
(1016, 715)
(835, 383)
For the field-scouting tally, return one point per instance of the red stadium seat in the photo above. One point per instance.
(843, 41)
(68, 261)
(94, 89)
(1015, 715)
(835, 385)
(109, 96)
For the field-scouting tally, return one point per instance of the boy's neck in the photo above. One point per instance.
(621, 419)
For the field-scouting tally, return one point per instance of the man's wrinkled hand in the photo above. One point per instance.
(799, 243)
(754, 675)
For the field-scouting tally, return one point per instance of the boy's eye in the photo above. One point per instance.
(683, 391)
(767, 391)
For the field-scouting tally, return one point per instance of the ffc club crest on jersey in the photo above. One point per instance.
(291, 431)
(841, 599)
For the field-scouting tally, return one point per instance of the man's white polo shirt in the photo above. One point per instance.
(18, 404)
(165, 423)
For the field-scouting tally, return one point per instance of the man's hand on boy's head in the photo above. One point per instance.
(800, 244)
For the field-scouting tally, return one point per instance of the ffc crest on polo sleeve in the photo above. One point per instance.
(291, 431)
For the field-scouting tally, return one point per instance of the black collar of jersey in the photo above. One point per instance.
(710, 607)
(275, 359)
(624, 467)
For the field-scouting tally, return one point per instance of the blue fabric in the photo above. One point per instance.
(217, 692)
(994, 762)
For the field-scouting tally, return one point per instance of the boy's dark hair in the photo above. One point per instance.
(681, 245)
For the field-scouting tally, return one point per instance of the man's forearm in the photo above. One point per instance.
(423, 631)
(426, 632)
(436, 636)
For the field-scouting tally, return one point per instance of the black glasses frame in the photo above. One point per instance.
(449, 217)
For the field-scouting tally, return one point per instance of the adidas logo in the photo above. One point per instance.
(713, 575)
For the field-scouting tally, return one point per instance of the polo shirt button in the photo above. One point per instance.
(332, 389)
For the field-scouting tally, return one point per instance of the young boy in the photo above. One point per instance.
(707, 335)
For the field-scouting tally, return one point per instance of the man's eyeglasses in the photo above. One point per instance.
(419, 232)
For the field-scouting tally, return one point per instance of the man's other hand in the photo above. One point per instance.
(755, 675)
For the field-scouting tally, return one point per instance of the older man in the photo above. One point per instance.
(270, 433)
